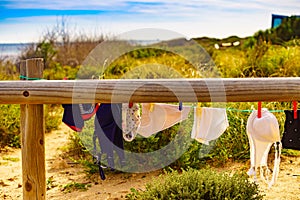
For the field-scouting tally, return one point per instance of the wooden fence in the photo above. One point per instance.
(33, 94)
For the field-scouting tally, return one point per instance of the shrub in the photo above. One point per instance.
(10, 122)
(59, 72)
(10, 125)
(53, 115)
(199, 184)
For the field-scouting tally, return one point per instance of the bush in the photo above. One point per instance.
(53, 116)
(10, 122)
(199, 184)
(10, 125)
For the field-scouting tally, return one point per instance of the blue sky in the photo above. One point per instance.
(26, 20)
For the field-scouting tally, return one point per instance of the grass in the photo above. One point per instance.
(3, 163)
(50, 183)
(75, 186)
(12, 159)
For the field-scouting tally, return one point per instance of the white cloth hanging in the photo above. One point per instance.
(262, 133)
(158, 116)
(209, 124)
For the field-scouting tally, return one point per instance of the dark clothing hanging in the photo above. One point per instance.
(72, 117)
(75, 114)
(108, 125)
(291, 135)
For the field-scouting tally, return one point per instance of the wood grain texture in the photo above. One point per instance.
(149, 90)
(22, 107)
(33, 147)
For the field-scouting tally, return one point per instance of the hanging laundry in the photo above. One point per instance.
(107, 129)
(291, 134)
(157, 117)
(262, 133)
(209, 124)
(131, 121)
(75, 114)
(87, 111)
(108, 123)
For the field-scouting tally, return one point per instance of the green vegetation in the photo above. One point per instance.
(270, 53)
(199, 184)
(12, 159)
(289, 30)
(75, 186)
(50, 183)
(10, 122)
(10, 125)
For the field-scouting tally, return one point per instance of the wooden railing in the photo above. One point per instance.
(150, 90)
(33, 94)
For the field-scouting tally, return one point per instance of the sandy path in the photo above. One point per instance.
(117, 185)
(11, 165)
(287, 186)
(61, 172)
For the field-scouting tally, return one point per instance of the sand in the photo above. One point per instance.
(62, 172)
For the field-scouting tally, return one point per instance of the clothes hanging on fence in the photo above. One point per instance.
(75, 114)
(131, 121)
(157, 117)
(209, 124)
(291, 135)
(107, 129)
(262, 133)
(108, 123)
(87, 111)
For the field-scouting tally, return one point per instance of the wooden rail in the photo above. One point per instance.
(150, 90)
(33, 94)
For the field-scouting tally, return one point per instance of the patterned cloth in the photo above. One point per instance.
(291, 135)
(131, 121)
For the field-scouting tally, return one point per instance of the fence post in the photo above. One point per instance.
(33, 145)
(22, 106)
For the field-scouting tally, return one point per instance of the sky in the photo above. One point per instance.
(24, 21)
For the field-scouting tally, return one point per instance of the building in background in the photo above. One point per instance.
(277, 19)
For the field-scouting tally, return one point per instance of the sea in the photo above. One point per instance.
(12, 50)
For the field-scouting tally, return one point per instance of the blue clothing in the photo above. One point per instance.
(72, 117)
(108, 123)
